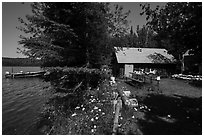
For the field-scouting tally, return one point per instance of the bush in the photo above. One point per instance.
(74, 84)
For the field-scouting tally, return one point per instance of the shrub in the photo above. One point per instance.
(73, 84)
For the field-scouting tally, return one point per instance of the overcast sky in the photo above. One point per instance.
(12, 10)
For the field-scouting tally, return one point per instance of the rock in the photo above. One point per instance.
(74, 114)
(127, 93)
(133, 116)
(95, 107)
(133, 102)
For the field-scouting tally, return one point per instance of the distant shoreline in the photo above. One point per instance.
(20, 62)
(21, 66)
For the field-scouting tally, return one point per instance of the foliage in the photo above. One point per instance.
(118, 22)
(71, 34)
(118, 27)
(179, 26)
(65, 79)
(56, 35)
(143, 38)
(73, 85)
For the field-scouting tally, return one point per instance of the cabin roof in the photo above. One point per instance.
(143, 55)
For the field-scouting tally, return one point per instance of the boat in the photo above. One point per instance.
(24, 75)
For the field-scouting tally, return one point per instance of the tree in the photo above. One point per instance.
(142, 38)
(67, 34)
(178, 24)
(118, 27)
(118, 22)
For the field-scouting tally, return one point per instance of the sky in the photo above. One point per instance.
(11, 11)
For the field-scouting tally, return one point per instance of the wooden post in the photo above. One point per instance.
(158, 80)
(124, 98)
(12, 72)
(117, 113)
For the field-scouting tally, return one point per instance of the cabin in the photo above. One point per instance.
(127, 60)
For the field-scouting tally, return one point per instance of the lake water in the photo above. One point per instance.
(22, 102)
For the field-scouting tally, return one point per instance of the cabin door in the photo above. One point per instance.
(128, 69)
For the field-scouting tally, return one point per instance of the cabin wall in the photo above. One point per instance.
(128, 68)
(119, 70)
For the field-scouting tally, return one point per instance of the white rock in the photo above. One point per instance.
(74, 114)
(95, 107)
(141, 107)
(127, 93)
(133, 116)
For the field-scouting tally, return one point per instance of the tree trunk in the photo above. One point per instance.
(182, 63)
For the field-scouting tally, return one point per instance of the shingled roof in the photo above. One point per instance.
(143, 55)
